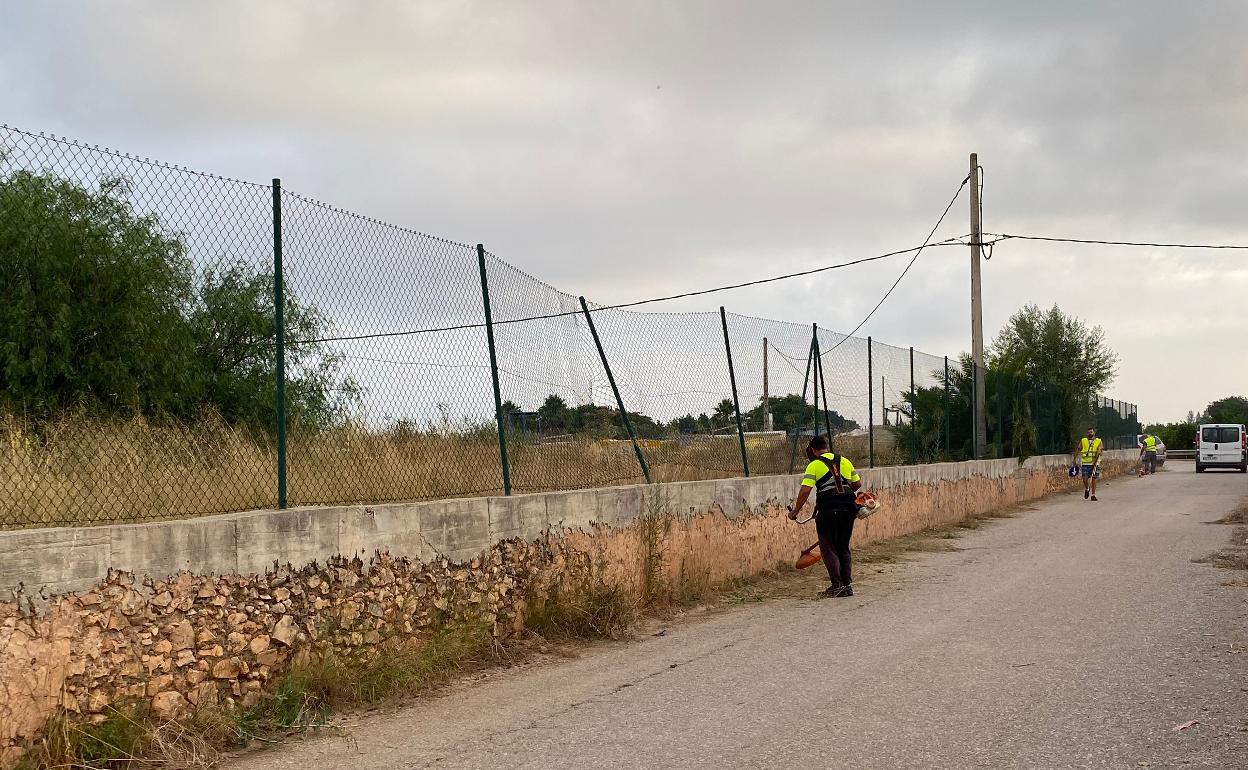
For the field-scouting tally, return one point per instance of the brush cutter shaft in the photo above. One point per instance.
(808, 518)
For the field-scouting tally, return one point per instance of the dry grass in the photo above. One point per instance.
(591, 611)
(123, 739)
(1237, 516)
(1235, 555)
(82, 471)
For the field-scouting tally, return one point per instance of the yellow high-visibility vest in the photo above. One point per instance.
(1088, 450)
(1150, 444)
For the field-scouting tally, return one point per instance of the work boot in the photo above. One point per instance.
(1094, 498)
(849, 590)
(1085, 494)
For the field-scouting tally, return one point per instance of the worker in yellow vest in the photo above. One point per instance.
(835, 483)
(1088, 458)
(1148, 454)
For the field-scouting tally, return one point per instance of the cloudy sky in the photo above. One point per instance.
(621, 150)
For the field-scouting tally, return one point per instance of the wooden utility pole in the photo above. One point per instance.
(980, 429)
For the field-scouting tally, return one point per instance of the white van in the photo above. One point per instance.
(1221, 445)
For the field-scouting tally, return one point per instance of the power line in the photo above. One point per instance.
(637, 303)
(997, 237)
(917, 252)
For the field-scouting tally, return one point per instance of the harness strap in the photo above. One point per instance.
(834, 470)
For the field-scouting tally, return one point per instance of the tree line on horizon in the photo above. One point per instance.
(555, 417)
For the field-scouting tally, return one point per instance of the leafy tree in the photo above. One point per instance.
(1232, 409)
(686, 424)
(100, 309)
(1024, 417)
(231, 325)
(91, 303)
(725, 414)
(556, 417)
(790, 412)
(1047, 348)
(643, 425)
(1048, 345)
(596, 421)
(1175, 435)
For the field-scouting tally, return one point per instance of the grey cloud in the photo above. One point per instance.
(624, 150)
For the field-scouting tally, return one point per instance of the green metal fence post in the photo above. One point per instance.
(797, 429)
(736, 404)
(948, 451)
(870, 408)
(823, 390)
(814, 353)
(279, 323)
(498, 396)
(628, 425)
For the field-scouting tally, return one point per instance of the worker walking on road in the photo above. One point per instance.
(1148, 453)
(836, 484)
(1088, 458)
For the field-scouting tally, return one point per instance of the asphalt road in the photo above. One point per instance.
(1076, 635)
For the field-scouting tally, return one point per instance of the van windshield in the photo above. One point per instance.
(1224, 435)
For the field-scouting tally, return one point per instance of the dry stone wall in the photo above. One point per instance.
(178, 640)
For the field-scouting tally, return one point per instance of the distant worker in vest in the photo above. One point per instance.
(1148, 454)
(836, 485)
(1088, 458)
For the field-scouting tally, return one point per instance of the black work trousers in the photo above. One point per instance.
(835, 526)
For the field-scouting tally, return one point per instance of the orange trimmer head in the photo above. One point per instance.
(809, 557)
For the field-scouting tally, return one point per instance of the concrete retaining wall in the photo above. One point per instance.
(50, 562)
(211, 612)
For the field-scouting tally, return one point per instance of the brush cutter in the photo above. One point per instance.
(810, 557)
(867, 505)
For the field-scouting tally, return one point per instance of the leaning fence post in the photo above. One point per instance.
(870, 408)
(628, 425)
(736, 404)
(797, 428)
(823, 388)
(814, 357)
(279, 323)
(498, 396)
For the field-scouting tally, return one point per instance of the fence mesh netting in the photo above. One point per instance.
(139, 347)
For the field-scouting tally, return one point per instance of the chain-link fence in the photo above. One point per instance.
(139, 352)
